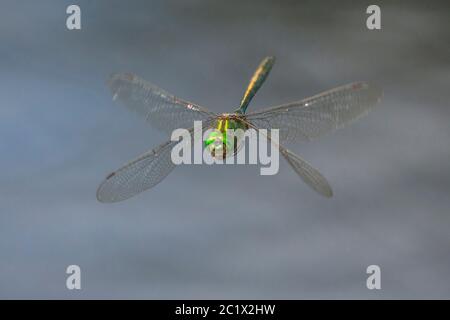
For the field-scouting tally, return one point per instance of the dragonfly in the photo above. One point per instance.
(298, 121)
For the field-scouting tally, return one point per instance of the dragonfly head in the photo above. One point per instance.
(218, 145)
(226, 138)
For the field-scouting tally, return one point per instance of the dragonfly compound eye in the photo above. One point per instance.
(218, 145)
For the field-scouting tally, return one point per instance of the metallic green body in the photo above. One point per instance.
(256, 82)
(218, 143)
(222, 143)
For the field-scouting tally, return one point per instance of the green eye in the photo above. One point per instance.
(212, 138)
(216, 138)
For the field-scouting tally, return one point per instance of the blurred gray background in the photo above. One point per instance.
(220, 231)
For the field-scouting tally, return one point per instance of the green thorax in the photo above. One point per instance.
(219, 143)
(222, 143)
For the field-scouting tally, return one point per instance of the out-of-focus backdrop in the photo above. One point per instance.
(223, 231)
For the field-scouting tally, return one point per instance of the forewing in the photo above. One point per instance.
(307, 173)
(161, 109)
(311, 176)
(138, 175)
(142, 173)
(312, 117)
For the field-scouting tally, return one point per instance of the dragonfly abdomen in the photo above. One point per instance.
(256, 82)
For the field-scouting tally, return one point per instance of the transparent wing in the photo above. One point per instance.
(161, 109)
(307, 173)
(140, 174)
(312, 117)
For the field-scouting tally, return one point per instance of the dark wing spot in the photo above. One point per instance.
(110, 175)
